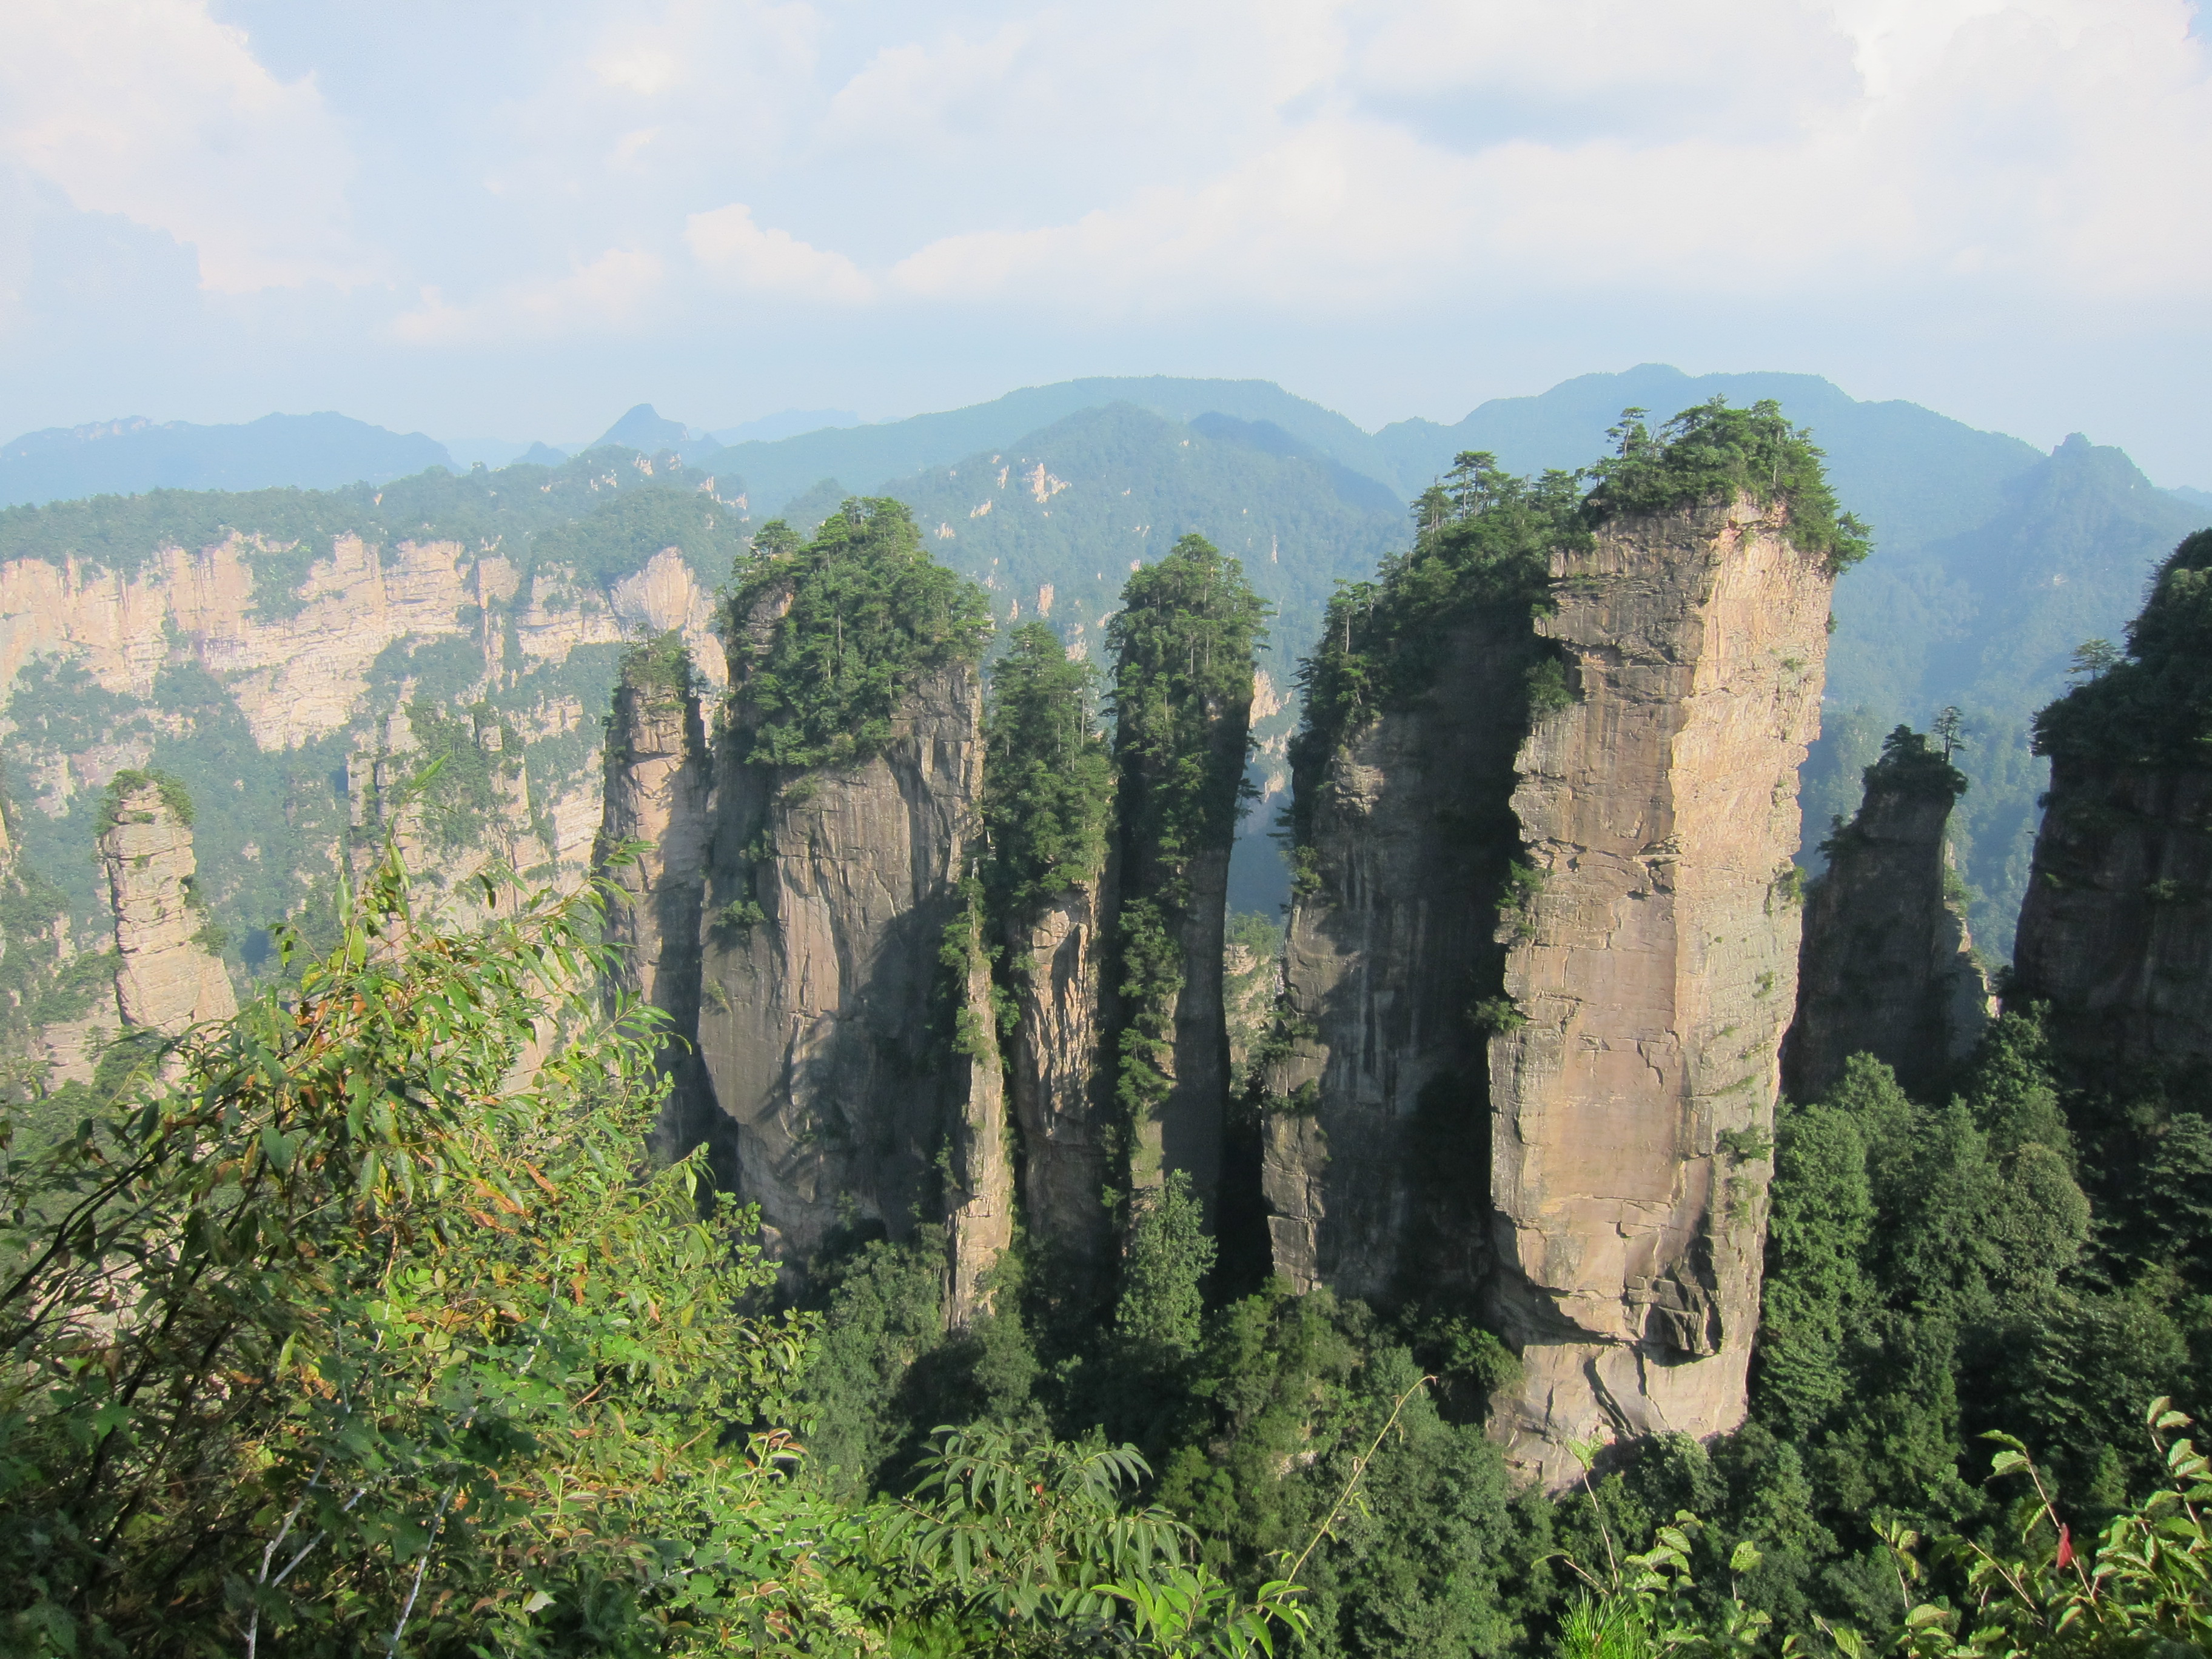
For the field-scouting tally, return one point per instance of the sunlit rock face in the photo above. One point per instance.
(1652, 973)
(165, 979)
(1057, 1074)
(655, 830)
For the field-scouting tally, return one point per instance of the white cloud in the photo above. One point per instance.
(1723, 147)
(152, 110)
(609, 296)
(735, 250)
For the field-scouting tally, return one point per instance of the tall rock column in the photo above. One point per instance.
(1651, 968)
(658, 801)
(846, 775)
(2116, 934)
(979, 1198)
(165, 979)
(1048, 804)
(1183, 644)
(1887, 968)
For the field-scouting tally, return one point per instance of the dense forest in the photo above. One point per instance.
(358, 1323)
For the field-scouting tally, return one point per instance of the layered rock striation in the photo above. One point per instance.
(166, 980)
(848, 1074)
(1375, 1155)
(1651, 970)
(1888, 967)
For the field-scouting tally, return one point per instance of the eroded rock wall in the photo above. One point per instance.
(1652, 972)
(979, 1198)
(1374, 1160)
(165, 979)
(1888, 967)
(1058, 1074)
(302, 671)
(2116, 934)
(659, 805)
(829, 897)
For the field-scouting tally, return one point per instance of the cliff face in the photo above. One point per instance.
(1058, 1075)
(1651, 972)
(830, 892)
(1187, 1132)
(979, 1200)
(1887, 968)
(165, 979)
(305, 666)
(2116, 934)
(2116, 931)
(1376, 1170)
(659, 795)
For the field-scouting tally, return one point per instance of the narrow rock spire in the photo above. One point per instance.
(1887, 968)
(165, 979)
(1652, 969)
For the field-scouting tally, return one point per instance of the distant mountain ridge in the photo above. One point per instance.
(1992, 560)
(130, 456)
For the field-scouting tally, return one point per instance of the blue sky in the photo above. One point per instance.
(511, 220)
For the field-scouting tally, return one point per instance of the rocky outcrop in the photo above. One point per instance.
(302, 669)
(1887, 968)
(1057, 1075)
(979, 1198)
(1375, 1160)
(165, 979)
(1651, 968)
(659, 808)
(2116, 934)
(829, 894)
(1184, 680)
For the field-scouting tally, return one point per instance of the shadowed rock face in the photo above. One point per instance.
(1887, 968)
(1378, 1173)
(165, 979)
(818, 1024)
(1654, 970)
(1058, 1074)
(2116, 931)
(659, 795)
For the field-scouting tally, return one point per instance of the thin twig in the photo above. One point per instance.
(1359, 1468)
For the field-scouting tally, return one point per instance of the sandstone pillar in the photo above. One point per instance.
(165, 979)
(1650, 974)
(1888, 967)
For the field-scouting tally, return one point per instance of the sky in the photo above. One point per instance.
(517, 220)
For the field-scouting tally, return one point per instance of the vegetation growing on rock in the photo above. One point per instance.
(869, 613)
(1047, 772)
(1711, 452)
(2152, 707)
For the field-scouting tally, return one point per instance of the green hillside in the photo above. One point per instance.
(869, 455)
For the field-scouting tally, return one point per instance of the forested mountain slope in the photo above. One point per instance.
(868, 455)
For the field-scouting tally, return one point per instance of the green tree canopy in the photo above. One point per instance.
(868, 613)
(1047, 773)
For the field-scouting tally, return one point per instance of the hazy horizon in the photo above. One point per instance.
(518, 221)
